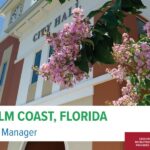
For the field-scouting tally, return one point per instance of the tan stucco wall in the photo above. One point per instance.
(31, 92)
(79, 145)
(47, 88)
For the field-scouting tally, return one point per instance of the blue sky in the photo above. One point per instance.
(1, 18)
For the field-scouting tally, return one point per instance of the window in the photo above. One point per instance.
(36, 64)
(2, 76)
(140, 25)
(51, 50)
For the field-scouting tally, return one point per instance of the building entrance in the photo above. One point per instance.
(45, 146)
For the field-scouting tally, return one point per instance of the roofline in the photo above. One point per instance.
(24, 15)
(5, 5)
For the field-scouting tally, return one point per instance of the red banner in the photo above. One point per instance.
(137, 141)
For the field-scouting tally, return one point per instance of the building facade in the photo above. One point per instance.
(23, 46)
(10, 71)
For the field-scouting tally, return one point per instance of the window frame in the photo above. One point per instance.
(142, 19)
(3, 74)
(34, 77)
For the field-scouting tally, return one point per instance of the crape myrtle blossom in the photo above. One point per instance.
(118, 73)
(129, 96)
(147, 28)
(121, 52)
(142, 60)
(66, 44)
(133, 60)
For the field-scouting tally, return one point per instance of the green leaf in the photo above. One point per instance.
(134, 79)
(147, 82)
(49, 1)
(142, 84)
(117, 5)
(110, 19)
(120, 15)
(88, 41)
(145, 101)
(95, 12)
(115, 35)
(103, 51)
(137, 4)
(82, 61)
(132, 6)
(97, 31)
(62, 1)
(147, 97)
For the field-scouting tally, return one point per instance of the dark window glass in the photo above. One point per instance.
(36, 64)
(51, 50)
(140, 25)
(3, 74)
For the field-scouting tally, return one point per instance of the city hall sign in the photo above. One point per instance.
(57, 21)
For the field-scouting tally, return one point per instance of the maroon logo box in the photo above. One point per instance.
(137, 141)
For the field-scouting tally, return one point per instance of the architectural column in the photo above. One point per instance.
(25, 79)
(44, 58)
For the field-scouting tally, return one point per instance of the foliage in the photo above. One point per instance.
(62, 65)
(90, 49)
(134, 68)
(106, 31)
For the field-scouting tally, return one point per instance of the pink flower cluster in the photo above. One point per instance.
(142, 59)
(118, 73)
(66, 43)
(147, 28)
(129, 97)
(121, 52)
(133, 59)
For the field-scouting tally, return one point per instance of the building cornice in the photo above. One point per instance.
(23, 16)
(7, 5)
